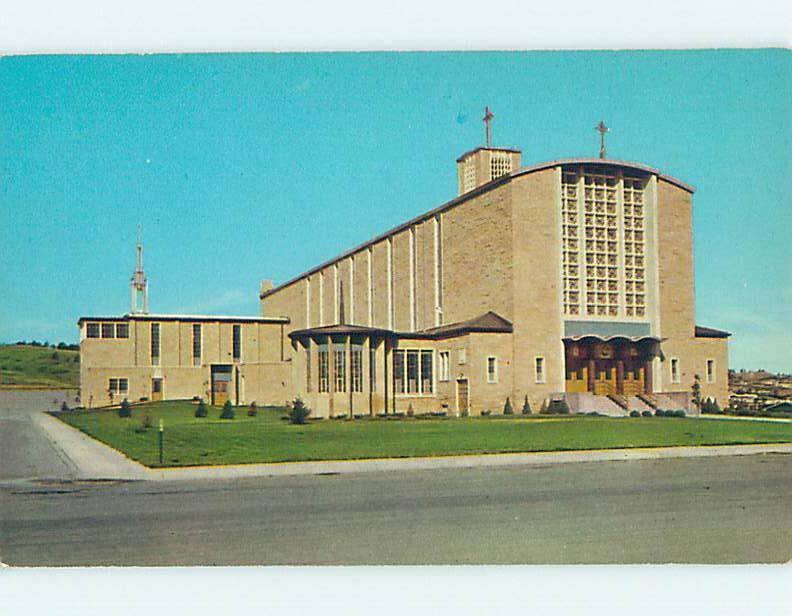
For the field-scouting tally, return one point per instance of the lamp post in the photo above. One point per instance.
(161, 438)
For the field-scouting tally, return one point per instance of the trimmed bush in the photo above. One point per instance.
(410, 410)
(660, 413)
(558, 407)
(252, 409)
(298, 413)
(201, 411)
(679, 413)
(526, 409)
(635, 414)
(508, 409)
(125, 410)
(228, 411)
(486, 413)
(646, 414)
(65, 407)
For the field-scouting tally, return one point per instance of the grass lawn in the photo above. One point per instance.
(31, 366)
(268, 438)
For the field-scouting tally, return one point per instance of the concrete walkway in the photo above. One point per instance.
(94, 460)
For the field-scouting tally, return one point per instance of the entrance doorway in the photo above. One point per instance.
(156, 389)
(605, 377)
(463, 396)
(221, 384)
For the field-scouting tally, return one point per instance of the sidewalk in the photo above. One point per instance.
(95, 460)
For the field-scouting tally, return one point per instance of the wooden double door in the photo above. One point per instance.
(222, 379)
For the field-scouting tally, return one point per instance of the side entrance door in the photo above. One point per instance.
(463, 397)
(221, 384)
(156, 389)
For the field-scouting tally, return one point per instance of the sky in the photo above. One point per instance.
(242, 167)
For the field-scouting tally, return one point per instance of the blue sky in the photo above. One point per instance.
(249, 166)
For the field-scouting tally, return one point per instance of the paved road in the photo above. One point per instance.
(710, 510)
(25, 450)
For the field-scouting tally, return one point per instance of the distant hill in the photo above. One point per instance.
(38, 366)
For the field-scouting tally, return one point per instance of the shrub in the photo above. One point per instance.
(508, 409)
(526, 409)
(647, 414)
(125, 410)
(465, 413)
(228, 411)
(410, 410)
(659, 413)
(252, 409)
(343, 416)
(298, 412)
(559, 407)
(65, 407)
(201, 410)
(486, 413)
(635, 414)
(679, 413)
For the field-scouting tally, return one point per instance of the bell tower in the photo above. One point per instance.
(487, 163)
(139, 283)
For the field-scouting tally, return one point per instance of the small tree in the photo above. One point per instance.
(125, 410)
(543, 407)
(64, 407)
(526, 409)
(298, 413)
(253, 409)
(508, 409)
(410, 410)
(201, 410)
(228, 411)
(696, 389)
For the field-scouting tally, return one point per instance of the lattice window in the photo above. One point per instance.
(571, 243)
(469, 174)
(601, 244)
(500, 164)
(634, 244)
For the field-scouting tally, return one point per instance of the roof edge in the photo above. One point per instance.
(186, 317)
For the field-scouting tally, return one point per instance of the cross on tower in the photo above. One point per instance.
(488, 115)
(602, 129)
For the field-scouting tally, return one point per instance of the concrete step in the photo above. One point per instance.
(636, 404)
(585, 402)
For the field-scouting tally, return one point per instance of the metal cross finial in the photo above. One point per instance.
(602, 129)
(488, 115)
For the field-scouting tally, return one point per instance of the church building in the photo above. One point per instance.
(570, 279)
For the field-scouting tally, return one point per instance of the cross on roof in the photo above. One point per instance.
(602, 129)
(488, 115)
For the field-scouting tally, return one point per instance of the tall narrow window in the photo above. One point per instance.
(427, 372)
(336, 301)
(539, 369)
(492, 369)
(351, 289)
(675, 370)
(398, 372)
(462, 356)
(372, 369)
(390, 284)
(196, 344)
(112, 386)
(339, 367)
(321, 299)
(308, 367)
(356, 367)
(155, 344)
(413, 294)
(710, 371)
(324, 369)
(412, 372)
(370, 289)
(308, 302)
(444, 366)
(123, 386)
(438, 267)
(237, 342)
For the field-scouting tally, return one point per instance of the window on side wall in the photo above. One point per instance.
(92, 330)
(237, 342)
(108, 330)
(539, 369)
(675, 370)
(122, 330)
(462, 356)
(444, 372)
(710, 371)
(492, 369)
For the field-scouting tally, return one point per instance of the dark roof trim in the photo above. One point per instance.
(607, 163)
(479, 190)
(709, 332)
(612, 338)
(490, 149)
(186, 318)
(489, 322)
